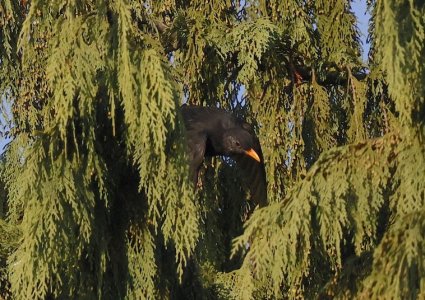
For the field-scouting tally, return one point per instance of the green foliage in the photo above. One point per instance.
(337, 24)
(286, 237)
(400, 37)
(69, 222)
(95, 201)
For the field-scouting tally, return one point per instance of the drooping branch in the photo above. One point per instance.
(301, 73)
(161, 27)
(333, 77)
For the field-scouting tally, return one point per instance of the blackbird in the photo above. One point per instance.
(212, 131)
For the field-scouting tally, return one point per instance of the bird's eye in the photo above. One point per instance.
(237, 144)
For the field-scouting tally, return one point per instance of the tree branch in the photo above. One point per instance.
(331, 77)
(301, 74)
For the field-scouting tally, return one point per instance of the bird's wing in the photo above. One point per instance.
(254, 173)
(196, 118)
(196, 143)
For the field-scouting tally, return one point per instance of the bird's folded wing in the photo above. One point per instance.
(196, 143)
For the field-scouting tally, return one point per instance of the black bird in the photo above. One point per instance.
(212, 131)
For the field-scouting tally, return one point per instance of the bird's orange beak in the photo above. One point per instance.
(253, 154)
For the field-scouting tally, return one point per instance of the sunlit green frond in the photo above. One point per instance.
(400, 40)
(285, 238)
(96, 201)
(400, 257)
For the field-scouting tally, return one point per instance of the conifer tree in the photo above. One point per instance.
(95, 198)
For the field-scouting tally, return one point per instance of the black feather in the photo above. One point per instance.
(213, 131)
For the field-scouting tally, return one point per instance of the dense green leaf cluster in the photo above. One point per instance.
(95, 201)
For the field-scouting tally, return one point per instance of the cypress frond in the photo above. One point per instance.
(400, 258)
(96, 201)
(285, 237)
(399, 41)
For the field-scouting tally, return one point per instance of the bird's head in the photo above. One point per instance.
(239, 141)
